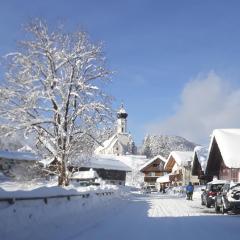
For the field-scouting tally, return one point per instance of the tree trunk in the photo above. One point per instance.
(62, 178)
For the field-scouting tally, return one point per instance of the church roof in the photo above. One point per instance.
(107, 144)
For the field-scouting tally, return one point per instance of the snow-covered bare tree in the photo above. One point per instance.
(54, 89)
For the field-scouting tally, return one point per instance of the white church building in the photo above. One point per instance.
(121, 143)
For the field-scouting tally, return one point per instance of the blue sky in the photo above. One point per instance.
(156, 48)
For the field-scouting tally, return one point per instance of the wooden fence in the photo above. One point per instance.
(12, 200)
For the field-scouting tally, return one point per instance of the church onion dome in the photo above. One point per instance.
(122, 113)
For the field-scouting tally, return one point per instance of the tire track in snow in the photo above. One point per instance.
(168, 206)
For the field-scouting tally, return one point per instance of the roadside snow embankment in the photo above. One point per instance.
(21, 219)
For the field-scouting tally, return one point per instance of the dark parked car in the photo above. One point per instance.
(228, 199)
(211, 191)
(149, 189)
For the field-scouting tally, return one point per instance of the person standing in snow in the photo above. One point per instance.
(189, 191)
(163, 188)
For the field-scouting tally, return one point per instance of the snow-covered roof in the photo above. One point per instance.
(163, 179)
(181, 157)
(132, 161)
(106, 163)
(216, 181)
(85, 174)
(202, 155)
(107, 144)
(152, 160)
(228, 141)
(24, 156)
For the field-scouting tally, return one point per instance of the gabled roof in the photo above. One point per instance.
(107, 144)
(152, 160)
(228, 142)
(181, 158)
(24, 156)
(200, 155)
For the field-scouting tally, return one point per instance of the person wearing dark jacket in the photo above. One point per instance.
(189, 191)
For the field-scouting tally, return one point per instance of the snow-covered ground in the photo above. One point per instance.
(164, 217)
(125, 215)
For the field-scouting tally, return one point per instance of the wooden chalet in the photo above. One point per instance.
(153, 169)
(224, 158)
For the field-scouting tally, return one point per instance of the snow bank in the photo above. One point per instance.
(22, 219)
(45, 189)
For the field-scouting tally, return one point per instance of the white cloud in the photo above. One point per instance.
(206, 103)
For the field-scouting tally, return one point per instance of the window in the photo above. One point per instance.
(151, 174)
(161, 165)
(234, 173)
(155, 165)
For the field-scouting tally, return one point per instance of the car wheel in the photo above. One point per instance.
(223, 209)
(208, 205)
(217, 208)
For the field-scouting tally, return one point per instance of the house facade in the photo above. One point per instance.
(179, 165)
(223, 160)
(153, 169)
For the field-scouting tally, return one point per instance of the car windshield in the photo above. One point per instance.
(216, 187)
(236, 187)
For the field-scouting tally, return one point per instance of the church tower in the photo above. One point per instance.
(121, 143)
(122, 120)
